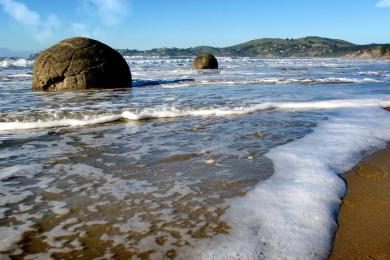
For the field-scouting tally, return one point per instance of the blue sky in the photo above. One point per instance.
(145, 24)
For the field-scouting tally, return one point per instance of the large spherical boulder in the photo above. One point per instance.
(205, 61)
(79, 64)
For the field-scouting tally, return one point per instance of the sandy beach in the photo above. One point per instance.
(364, 219)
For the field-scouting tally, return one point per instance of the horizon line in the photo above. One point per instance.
(193, 46)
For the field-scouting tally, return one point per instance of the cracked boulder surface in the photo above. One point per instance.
(205, 61)
(79, 64)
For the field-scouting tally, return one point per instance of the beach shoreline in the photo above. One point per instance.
(364, 223)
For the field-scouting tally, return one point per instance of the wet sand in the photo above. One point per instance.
(364, 219)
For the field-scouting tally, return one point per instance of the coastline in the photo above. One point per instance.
(364, 223)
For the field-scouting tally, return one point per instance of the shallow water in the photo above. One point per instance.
(185, 164)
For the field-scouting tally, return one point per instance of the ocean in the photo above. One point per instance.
(237, 163)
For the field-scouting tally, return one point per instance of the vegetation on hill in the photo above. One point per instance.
(274, 47)
(385, 49)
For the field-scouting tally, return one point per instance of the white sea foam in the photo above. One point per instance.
(16, 76)
(9, 62)
(329, 80)
(173, 112)
(59, 207)
(300, 80)
(293, 214)
(152, 60)
(9, 235)
(335, 80)
(176, 113)
(289, 216)
(371, 73)
(6, 126)
(8, 172)
(20, 75)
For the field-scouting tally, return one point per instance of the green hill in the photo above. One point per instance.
(274, 47)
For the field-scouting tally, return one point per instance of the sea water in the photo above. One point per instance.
(237, 163)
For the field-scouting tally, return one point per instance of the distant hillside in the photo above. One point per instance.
(274, 47)
(371, 51)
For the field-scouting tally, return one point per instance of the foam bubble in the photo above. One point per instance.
(293, 214)
(9, 235)
(59, 207)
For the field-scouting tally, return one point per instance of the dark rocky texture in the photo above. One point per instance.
(205, 61)
(79, 64)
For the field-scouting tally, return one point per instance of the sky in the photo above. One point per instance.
(145, 24)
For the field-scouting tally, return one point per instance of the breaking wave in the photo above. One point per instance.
(17, 63)
(330, 80)
(173, 112)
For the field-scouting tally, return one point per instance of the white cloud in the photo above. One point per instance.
(111, 12)
(42, 29)
(20, 12)
(49, 28)
(80, 29)
(383, 3)
(101, 15)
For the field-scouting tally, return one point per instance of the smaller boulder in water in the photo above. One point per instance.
(205, 61)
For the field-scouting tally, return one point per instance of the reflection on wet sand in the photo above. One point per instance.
(97, 198)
